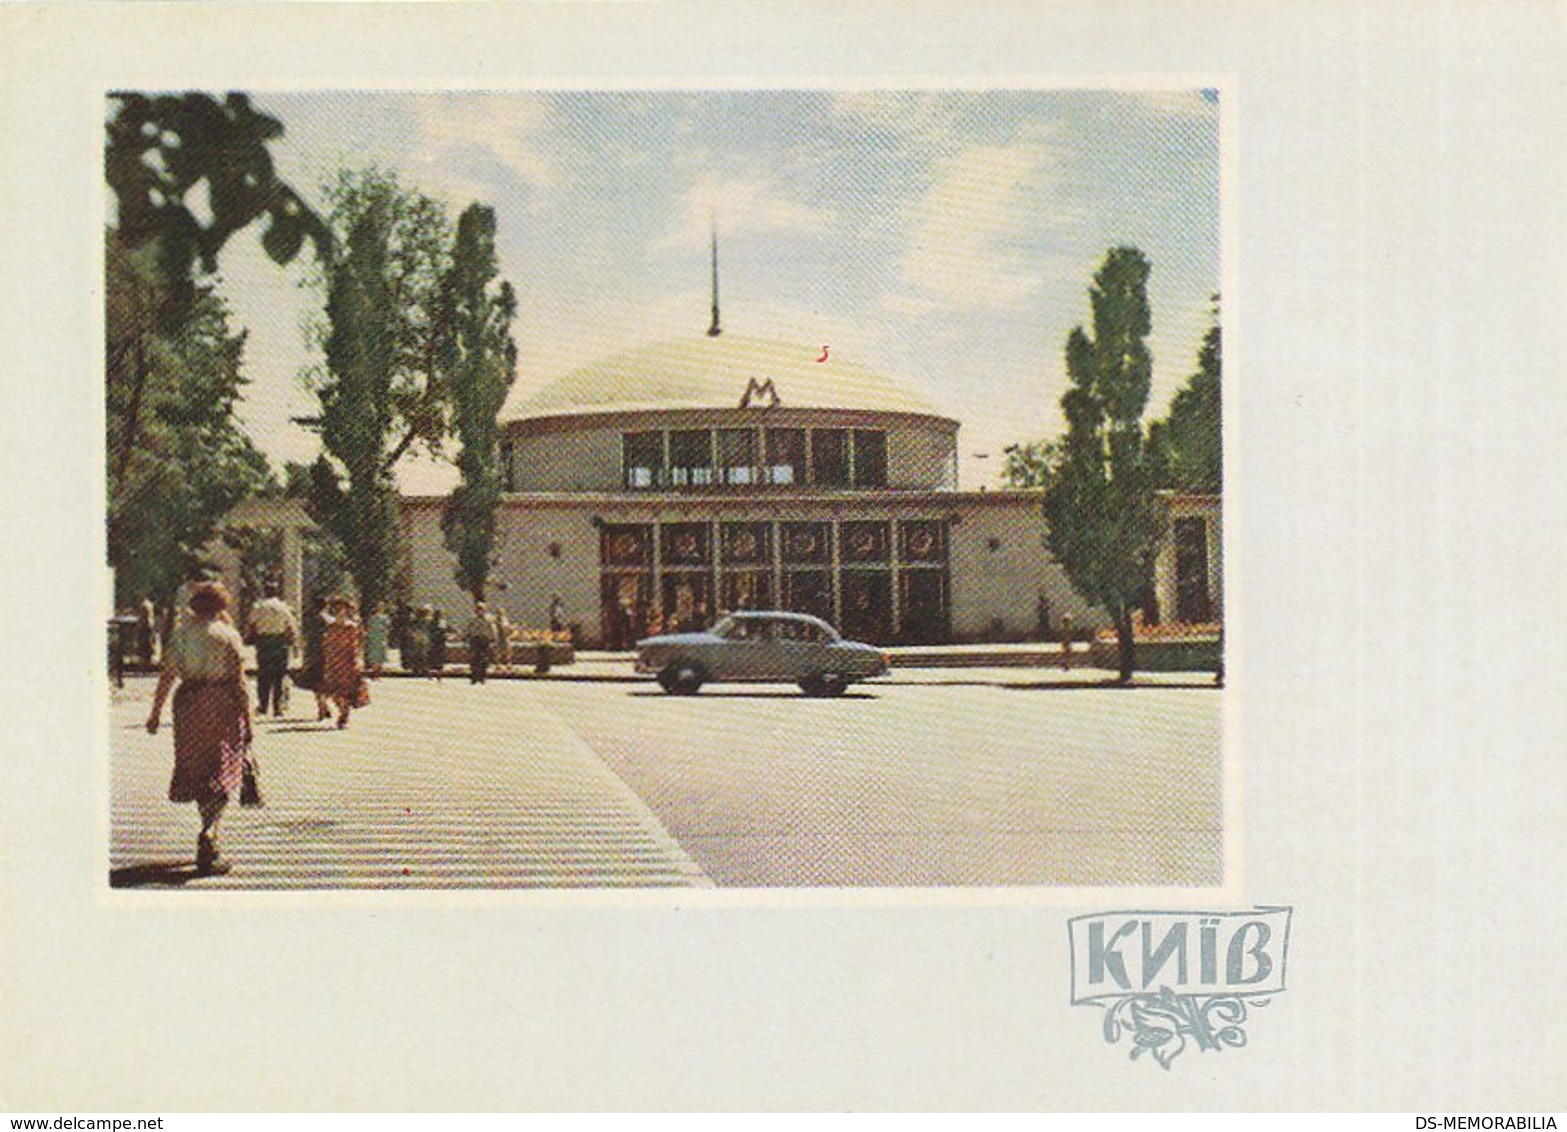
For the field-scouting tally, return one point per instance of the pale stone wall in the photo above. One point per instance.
(527, 573)
(585, 460)
(1000, 570)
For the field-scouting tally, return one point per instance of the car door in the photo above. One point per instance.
(801, 650)
(746, 651)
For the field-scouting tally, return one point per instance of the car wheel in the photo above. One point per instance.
(682, 678)
(824, 684)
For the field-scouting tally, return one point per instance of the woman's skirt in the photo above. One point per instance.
(211, 732)
(341, 677)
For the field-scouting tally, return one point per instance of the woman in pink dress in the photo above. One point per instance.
(206, 657)
(342, 653)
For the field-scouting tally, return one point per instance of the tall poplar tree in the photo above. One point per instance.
(380, 390)
(478, 363)
(1105, 522)
(356, 415)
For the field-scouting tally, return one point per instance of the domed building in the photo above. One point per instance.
(658, 488)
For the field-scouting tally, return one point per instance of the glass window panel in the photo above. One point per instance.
(685, 544)
(923, 540)
(626, 544)
(642, 457)
(870, 458)
(691, 458)
(737, 455)
(865, 542)
(830, 457)
(747, 544)
(785, 455)
(806, 542)
(808, 591)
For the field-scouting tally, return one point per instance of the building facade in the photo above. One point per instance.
(657, 489)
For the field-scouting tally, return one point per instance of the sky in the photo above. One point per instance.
(945, 238)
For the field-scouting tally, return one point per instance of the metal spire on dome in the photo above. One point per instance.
(715, 329)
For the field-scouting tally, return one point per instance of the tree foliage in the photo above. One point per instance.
(387, 342)
(415, 238)
(1104, 520)
(177, 459)
(356, 406)
(1188, 444)
(478, 362)
(160, 148)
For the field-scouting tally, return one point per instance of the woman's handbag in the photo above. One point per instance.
(250, 786)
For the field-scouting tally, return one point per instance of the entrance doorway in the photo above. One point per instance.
(867, 606)
(1192, 602)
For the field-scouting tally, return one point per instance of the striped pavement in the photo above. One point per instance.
(434, 786)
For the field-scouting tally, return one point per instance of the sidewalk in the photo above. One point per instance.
(424, 790)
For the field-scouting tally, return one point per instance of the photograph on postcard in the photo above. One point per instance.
(608, 489)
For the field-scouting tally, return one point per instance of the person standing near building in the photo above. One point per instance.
(205, 657)
(503, 632)
(415, 654)
(378, 631)
(557, 614)
(438, 631)
(342, 651)
(1066, 640)
(274, 631)
(480, 638)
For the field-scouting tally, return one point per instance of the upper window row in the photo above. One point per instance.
(745, 457)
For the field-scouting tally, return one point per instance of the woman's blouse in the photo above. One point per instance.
(206, 650)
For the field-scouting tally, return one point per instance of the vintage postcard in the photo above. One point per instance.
(588, 535)
(671, 488)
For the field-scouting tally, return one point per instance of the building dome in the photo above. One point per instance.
(714, 373)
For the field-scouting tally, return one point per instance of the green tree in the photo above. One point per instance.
(1027, 465)
(380, 388)
(161, 147)
(177, 459)
(478, 361)
(1188, 445)
(1104, 520)
(356, 414)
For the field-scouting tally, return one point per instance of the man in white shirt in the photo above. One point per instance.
(273, 630)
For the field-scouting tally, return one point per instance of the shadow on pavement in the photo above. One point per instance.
(1103, 685)
(306, 728)
(159, 872)
(730, 695)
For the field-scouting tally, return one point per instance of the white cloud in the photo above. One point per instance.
(917, 118)
(506, 128)
(963, 232)
(748, 205)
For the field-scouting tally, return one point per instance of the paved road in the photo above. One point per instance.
(922, 783)
(951, 780)
(433, 786)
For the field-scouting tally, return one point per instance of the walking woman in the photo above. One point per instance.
(205, 656)
(342, 674)
(310, 671)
